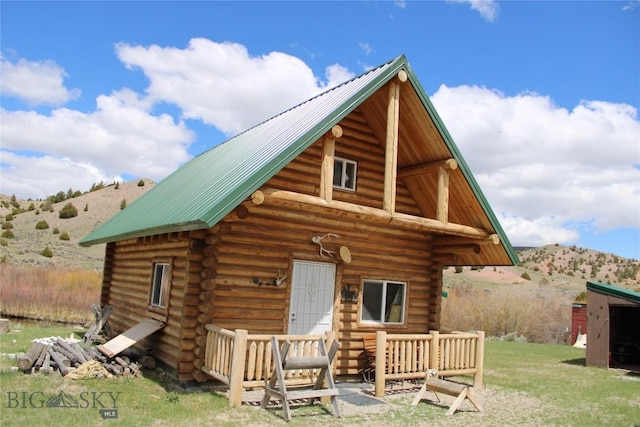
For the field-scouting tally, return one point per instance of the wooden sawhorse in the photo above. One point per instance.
(284, 363)
(436, 385)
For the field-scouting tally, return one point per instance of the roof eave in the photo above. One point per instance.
(173, 228)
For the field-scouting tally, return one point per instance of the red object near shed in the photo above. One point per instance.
(578, 321)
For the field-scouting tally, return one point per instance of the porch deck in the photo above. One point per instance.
(244, 361)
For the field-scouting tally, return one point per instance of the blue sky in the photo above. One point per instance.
(541, 97)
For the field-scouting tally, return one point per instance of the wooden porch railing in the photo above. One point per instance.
(408, 356)
(241, 360)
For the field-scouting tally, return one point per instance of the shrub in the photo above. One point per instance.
(8, 234)
(42, 225)
(64, 236)
(46, 206)
(56, 231)
(123, 204)
(86, 207)
(141, 183)
(46, 252)
(7, 226)
(458, 269)
(117, 187)
(9, 217)
(68, 211)
(525, 276)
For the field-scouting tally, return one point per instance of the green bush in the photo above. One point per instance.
(68, 211)
(86, 207)
(141, 183)
(42, 225)
(7, 226)
(8, 234)
(64, 236)
(46, 252)
(123, 204)
(56, 231)
(525, 276)
(8, 217)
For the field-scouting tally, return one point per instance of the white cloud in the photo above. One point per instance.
(488, 9)
(218, 83)
(222, 84)
(337, 74)
(41, 176)
(400, 4)
(547, 169)
(115, 139)
(36, 83)
(365, 47)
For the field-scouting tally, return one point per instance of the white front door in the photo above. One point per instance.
(312, 293)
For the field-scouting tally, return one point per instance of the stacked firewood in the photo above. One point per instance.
(56, 354)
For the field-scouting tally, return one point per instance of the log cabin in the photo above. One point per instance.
(338, 215)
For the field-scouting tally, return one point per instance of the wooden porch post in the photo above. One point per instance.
(478, 377)
(381, 362)
(237, 367)
(434, 357)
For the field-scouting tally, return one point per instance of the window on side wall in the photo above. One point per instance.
(383, 302)
(344, 174)
(161, 282)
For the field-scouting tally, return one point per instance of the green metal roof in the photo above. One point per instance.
(204, 190)
(209, 186)
(614, 291)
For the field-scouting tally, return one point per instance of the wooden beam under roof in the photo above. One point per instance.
(299, 200)
(425, 168)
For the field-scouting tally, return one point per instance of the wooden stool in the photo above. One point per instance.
(284, 363)
(435, 385)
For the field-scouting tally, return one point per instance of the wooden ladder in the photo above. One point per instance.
(283, 363)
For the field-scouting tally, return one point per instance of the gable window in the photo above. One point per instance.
(160, 285)
(344, 174)
(383, 301)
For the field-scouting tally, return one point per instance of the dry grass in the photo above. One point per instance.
(56, 294)
(510, 311)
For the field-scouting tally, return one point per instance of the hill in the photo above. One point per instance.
(94, 208)
(558, 267)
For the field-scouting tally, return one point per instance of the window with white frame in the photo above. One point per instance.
(344, 174)
(383, 301)
(160, 285)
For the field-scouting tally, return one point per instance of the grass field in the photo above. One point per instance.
(526, 384)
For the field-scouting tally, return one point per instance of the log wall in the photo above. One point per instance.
(244, 256)
(126, 287)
